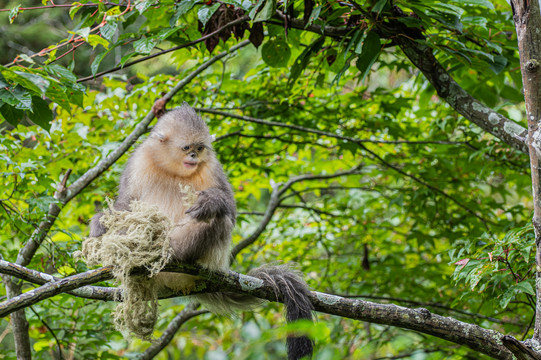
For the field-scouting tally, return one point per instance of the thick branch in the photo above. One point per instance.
(488, 342)
(448, 89)
(54, 288)
(40, 278)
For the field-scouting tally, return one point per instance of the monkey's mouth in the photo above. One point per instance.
(189, 164)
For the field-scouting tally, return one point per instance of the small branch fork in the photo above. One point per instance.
(488, 342)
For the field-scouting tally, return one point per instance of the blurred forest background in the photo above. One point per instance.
(405, 200)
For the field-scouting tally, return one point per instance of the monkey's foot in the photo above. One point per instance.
(159, 107)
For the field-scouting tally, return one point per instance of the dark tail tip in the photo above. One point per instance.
(290, 286)
(298, 347)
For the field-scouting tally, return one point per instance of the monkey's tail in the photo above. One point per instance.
(295, 293)
(288, 285)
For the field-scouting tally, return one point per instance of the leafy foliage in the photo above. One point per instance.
(436, 217)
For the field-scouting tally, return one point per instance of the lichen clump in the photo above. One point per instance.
(134, 239)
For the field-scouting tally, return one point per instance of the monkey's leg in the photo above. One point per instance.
(196, 239)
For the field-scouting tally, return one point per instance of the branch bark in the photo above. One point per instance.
(488, 342)
(527, 23)
(448, 89)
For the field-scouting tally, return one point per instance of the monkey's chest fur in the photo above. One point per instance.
(207, 242)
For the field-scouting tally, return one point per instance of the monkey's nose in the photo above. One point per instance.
(193, 155)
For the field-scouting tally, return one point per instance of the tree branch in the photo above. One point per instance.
(275, 200)
(527, 20)
(423, 58)
(54, 288)
(488, 342)
(188, 44)
(186, 314)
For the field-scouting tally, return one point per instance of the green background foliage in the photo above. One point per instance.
(437, 216)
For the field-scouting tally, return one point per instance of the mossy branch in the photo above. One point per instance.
(485, 341)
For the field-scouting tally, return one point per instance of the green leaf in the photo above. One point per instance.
(303, 59)
(97, 61)
(145, 45)
(355, 40)
(266, 12)
(32, 81)
(205, 13)
(181, 8)
(369, 54)
(499, 63)
(13, 13)
(84, 32)
(276, 53)
(108, 30)
(525, 287)
(315, 14)
(378, 7)
(41, 114)
(125, 58)
(57, 93)
(143, 5)
(75, 7)
(95, 40)
(16, 96)
(60, 72)
(485, 3)
(10, 114)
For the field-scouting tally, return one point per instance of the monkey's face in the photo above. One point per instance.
(193, 155)
(178, 155)
(180, 143)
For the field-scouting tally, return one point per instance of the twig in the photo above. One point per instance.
(158, 345)
(203, 38)
(275, 200)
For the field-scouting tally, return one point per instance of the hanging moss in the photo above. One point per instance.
(136, 238)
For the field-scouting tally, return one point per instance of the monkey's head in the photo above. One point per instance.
(180, 143)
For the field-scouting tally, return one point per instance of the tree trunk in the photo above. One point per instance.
(528, 26)
(19, 324)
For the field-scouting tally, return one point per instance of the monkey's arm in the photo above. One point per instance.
(213, 203)
(198, 240)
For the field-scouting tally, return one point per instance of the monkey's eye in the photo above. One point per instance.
(186, 148)
(200, 148)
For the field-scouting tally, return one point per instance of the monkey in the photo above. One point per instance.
(178, 152)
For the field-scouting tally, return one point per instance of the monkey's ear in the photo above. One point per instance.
(158, 136)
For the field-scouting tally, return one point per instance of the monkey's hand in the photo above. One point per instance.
(96, 227)
(210, 203)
